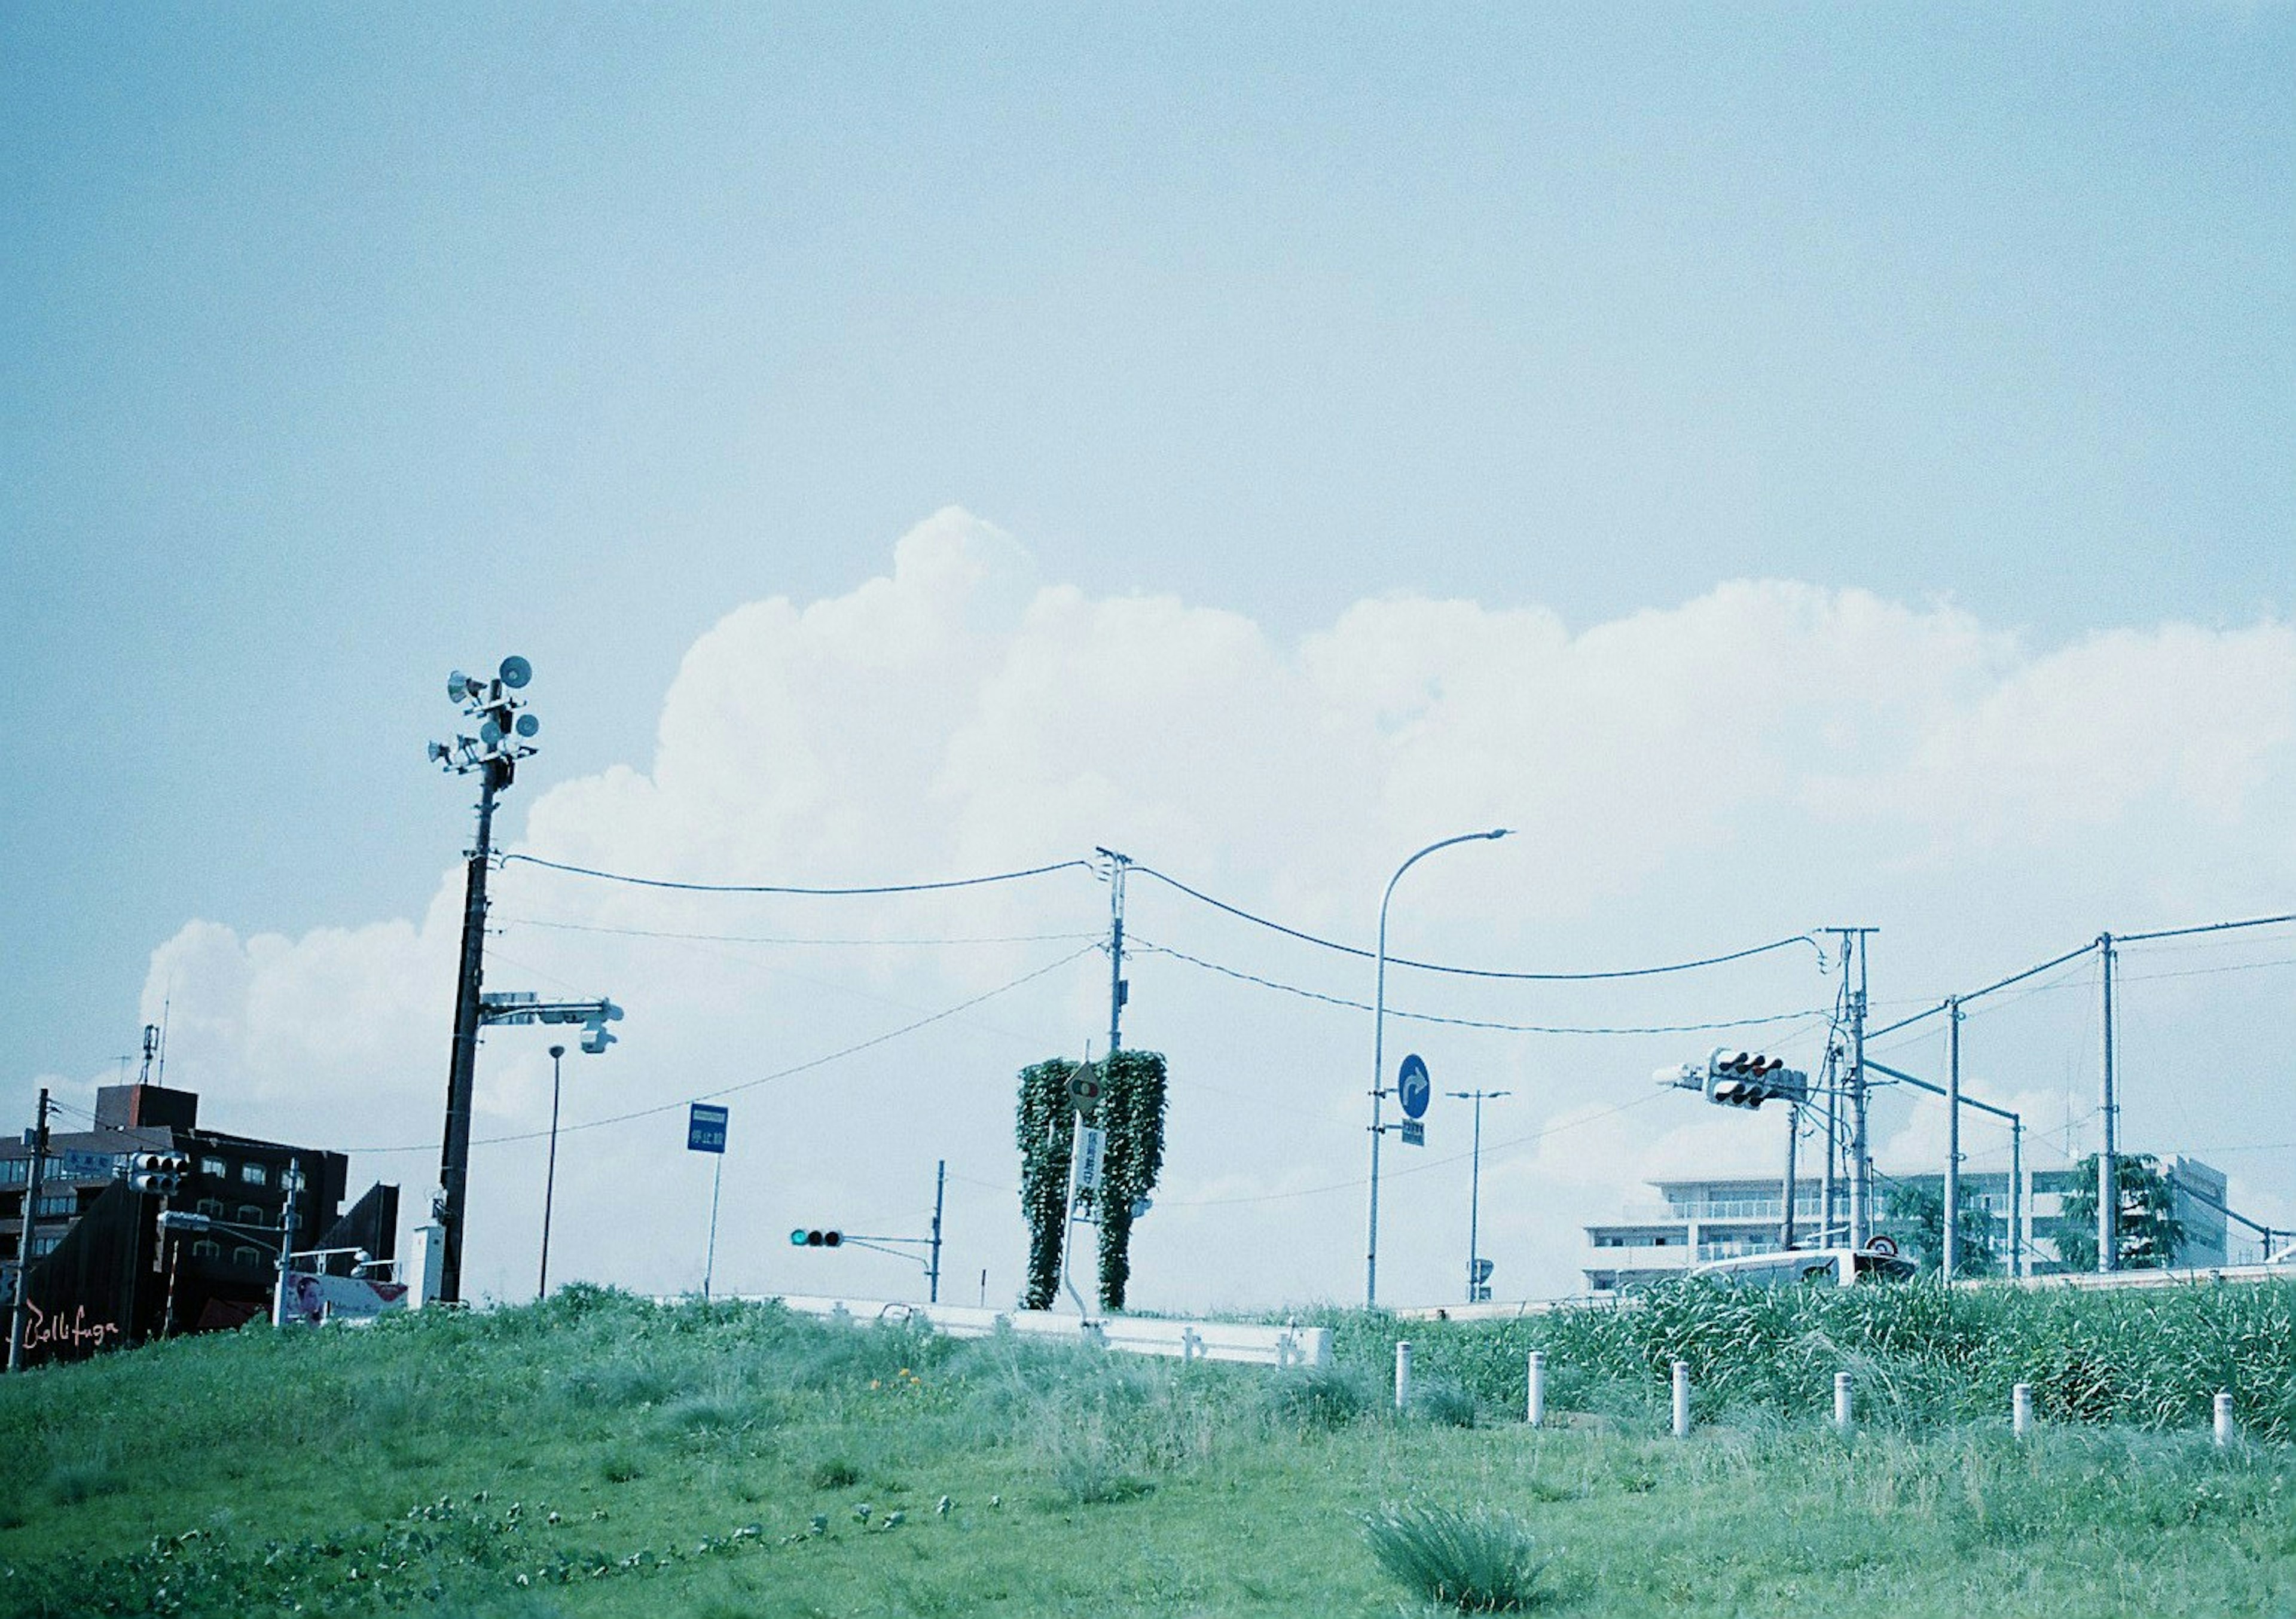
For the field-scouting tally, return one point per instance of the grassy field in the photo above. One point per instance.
(599, 1455)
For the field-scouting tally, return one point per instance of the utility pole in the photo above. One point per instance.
(24, 1241)
(1118, 991)
(2108, 1170)
(492, 756)
(1952, 1243)
(1829, 1193)
(1786, 1202)
(1475, 1192)
(550, 1176)
(1861, 1177)
(933, 1274)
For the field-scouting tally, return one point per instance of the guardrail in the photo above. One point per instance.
(1179, 1339)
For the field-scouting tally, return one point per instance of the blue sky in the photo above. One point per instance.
(340, 347)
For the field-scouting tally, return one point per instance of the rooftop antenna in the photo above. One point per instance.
(167, 1004)
(151, 1051)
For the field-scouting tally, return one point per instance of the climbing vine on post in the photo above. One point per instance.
(1131, 1111)
(1042, 1125)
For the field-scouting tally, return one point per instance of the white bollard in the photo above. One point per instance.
(1536, 1413)
(1843, 1418)
(2021, 1410)
(1682, 1399)
(2223, 1418)
(1402, 1373)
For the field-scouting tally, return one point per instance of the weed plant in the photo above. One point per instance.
(1478, 1560)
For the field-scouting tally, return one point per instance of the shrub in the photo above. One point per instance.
(1443, 1404)
(1317, 1398)
(1479, 1561)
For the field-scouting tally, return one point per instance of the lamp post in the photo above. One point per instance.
(550, 1175)
(1379, 1051)
(1475, 1191)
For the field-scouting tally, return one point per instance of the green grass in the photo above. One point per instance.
(598, 1455)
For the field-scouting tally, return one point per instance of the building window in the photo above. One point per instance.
(246, 1256)
(215, 1169)
(15, 1172)
(254, 1175)
(248, 1215)
(57, 1204)
(212, 1207)
(45, 1242)
(207, 1247)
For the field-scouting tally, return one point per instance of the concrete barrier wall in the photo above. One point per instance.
(1178, 1339)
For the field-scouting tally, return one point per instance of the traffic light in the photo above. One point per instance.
(159, 1173)
(1748, 1079)
(816, 1239)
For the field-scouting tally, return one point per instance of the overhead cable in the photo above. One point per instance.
(1145, 947)
(758, 938)
(765, 1079)
(1473, 972)
(660, 882)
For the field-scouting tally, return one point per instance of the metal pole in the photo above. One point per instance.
(36, 1172)
(550, 1176)
(1378, 1053)
(1786, 1217)
(2108, 1187)
(1682, 1399)
(1828, 1192)
(454, 1153)
(1952, 1141)
(932, 1276)
(1117, 990)
(1535, 1400)
(1475, 1202)
(2020, 1247)
(1861, 1169)
(710, 1264)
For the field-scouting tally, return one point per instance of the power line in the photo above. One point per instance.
(1420, 1169)
(764, 1079)
(658, 882)
(2179, 933)
(761, 938)
(1474, 972)
(1471, 1022)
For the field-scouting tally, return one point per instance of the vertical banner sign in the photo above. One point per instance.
(1088, 1157)
(705, 1129)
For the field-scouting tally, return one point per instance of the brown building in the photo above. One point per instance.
(105, 1272)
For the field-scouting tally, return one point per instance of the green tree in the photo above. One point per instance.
(1915, 1214)
(2150, 1235)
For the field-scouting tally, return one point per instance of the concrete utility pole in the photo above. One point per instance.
(1861, 1168)
(492, 756)
(932, 1275)
(38, 1171)
(1952, 1244)
(1786, 1202)
(1118, 991)
(2108, 1170)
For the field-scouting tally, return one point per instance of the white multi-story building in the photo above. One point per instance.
(1697, 1220)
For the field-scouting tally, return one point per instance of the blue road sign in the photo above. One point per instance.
(705, 1129)
(1410, 1084)
(1415, 1133)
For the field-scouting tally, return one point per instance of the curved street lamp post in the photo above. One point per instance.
(1378, 1050)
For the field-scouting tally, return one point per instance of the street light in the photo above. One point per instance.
(1476, 1291)
(1379, 1051)
(550, 1175)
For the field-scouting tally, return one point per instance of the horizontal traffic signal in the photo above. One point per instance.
(804, 1238)
(159, 1175)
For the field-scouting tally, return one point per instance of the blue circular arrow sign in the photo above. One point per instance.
(1412, 1085)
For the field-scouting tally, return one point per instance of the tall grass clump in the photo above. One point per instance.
(1923, 1355)
(1479, 1561)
